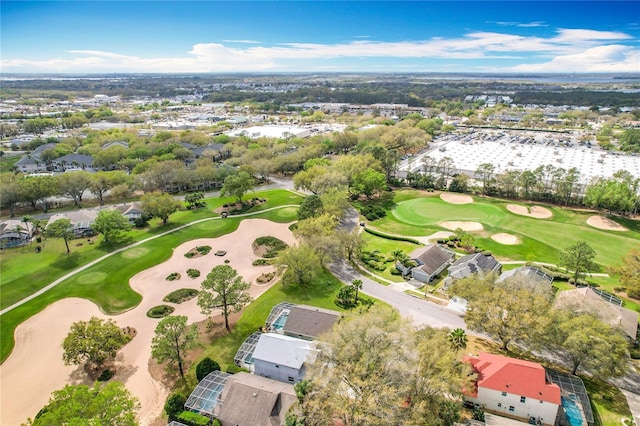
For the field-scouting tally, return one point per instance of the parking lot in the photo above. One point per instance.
(524, 150)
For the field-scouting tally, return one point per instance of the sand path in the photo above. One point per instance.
(35, 368)
(604, 223)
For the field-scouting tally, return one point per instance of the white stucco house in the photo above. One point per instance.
(282, 358)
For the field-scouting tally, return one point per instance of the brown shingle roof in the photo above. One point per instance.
(308, 322)
(432, 259)
(249, 400)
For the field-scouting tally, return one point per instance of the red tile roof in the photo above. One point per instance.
(515, 376)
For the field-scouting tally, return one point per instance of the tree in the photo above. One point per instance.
(510, 311)
(61, 228)
(457, 339)
(101, 182)
(376, 369)
(229, 289)
(160, 205)
(357, 285)
(174, 405)
(629, 272)
(93, 342)
(173, 338)
(109, 404)
(311, 206)
(110, 223)
(73, 185)
(36, 189)
(194, 199)
(319, 234)
(368, 183)
(588, 344)
(206, 366)
(237, 185)
(578, 258)
(301, 265)
(485, 171)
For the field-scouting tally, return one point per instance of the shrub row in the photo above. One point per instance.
(373, 212)
(391, 237)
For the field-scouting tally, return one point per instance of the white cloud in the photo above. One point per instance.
(519, 24)
(611, 58)
(568, 50)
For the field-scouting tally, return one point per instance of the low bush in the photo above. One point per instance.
(160, 311)
(261, 262)
(173, 276)
(275, 245)
(265, 278)
(193, 419)
(193, 273)
(174, 405)
(203, 249)
(106, 375)
(233, 369)
(206, 366)
(373, 212)
(394, 271)
(180, 295)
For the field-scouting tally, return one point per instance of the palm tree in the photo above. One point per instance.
(356, 284)
(26, 219)
(457, 339)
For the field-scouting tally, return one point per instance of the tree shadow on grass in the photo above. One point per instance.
(67, 261)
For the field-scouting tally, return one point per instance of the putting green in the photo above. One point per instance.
(135, 253)
(91, 277)
(542, 239)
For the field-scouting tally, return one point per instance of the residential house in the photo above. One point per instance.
(527, 274)
(131, 211)
(282, 358)
(205, 397)
(73, 162)
(514, 388)
(14, 233)
(30, 164)
(308, 322)
(477, 263)
(429, 262)
(122, 144)
(604, 305)
(249, 400)
(81, 221)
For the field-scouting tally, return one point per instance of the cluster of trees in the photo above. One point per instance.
(518, 312)
(377, 369)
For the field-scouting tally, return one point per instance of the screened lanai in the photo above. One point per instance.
(278, 316)
(204, 397)
(244, 356)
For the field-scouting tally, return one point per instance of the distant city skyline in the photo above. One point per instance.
(314, 36)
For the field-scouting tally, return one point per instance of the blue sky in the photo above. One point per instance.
(315, 36)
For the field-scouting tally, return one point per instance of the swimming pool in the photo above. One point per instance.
(279, 323)
(572, 410)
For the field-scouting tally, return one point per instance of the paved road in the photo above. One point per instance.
(421, 312)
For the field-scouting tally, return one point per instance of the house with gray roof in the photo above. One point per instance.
(14, 233)
(429, 262)
(73, 162)
(477, 263)
(605, 306)
(282, 358)
(249, 400)
(527, 274)
(308, 322)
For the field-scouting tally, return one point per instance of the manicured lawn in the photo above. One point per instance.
(106, 283)
(386, 247)
(542, 239)
(608, 404)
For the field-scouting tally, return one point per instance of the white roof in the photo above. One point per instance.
(284, 350)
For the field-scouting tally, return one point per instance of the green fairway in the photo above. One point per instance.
(541, 239)
(386, 247)
(106, 283)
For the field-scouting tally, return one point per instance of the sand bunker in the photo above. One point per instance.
(602, 222)
(507, 239)
(465, 226)
(456, 198)
(35, 368)
(536, 212)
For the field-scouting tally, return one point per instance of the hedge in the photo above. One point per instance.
(391, 237)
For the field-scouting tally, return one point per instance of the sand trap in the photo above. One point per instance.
(456, 198)
(507, 239)
(602, 222)
(536, 212)
(35, 368)
(465, 226)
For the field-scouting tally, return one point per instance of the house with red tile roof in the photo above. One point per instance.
(514, 388)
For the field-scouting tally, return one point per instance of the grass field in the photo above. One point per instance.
(107, 283)
(418, 214)
(321, 294)
(386, 247)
